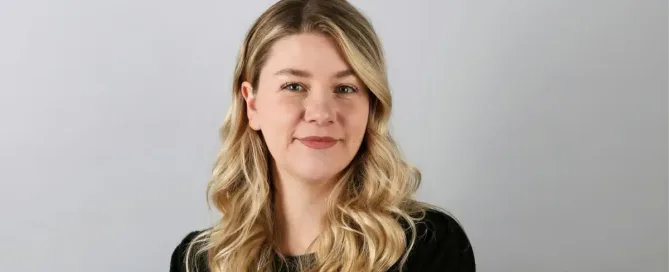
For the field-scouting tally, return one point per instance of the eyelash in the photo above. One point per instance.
(285, 86)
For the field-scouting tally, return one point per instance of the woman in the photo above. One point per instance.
(309, 178)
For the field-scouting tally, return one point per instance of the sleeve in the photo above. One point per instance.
(442, 246)
(178, 260)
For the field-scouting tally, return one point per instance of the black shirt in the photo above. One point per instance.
(441, 246)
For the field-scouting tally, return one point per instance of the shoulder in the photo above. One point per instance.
(436, 224)
(441, 244)
(178, 262)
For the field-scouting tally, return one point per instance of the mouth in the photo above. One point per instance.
(317, 142)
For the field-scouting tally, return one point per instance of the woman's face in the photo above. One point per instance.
(310, 107)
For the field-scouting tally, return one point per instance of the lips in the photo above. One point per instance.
(317, 142)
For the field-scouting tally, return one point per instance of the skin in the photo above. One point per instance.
(306, 88)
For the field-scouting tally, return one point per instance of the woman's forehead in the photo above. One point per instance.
(307, 55)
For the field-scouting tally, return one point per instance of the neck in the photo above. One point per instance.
(299, 209)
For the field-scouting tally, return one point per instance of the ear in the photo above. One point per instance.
(250, 98)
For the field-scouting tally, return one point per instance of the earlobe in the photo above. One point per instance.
(250, 99)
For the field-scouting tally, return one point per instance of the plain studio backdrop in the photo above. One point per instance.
(541, 125)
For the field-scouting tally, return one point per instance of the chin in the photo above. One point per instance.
(314, 173)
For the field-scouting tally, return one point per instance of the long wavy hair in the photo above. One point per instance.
(370, 210)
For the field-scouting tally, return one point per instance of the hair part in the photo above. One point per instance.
(375, 192)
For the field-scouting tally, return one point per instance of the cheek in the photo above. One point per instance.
(357, 115)
(360, 125)
(279, 118)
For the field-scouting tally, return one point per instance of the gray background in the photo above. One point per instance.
(541, 125)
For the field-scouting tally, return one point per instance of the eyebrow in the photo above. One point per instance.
(303, 73)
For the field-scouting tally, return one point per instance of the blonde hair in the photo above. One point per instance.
(375, 192)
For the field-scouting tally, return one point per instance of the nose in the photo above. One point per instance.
(320, 108)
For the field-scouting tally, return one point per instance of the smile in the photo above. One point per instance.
(318, 142)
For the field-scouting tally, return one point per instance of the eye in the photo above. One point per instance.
(293, 87)
(345, 89)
